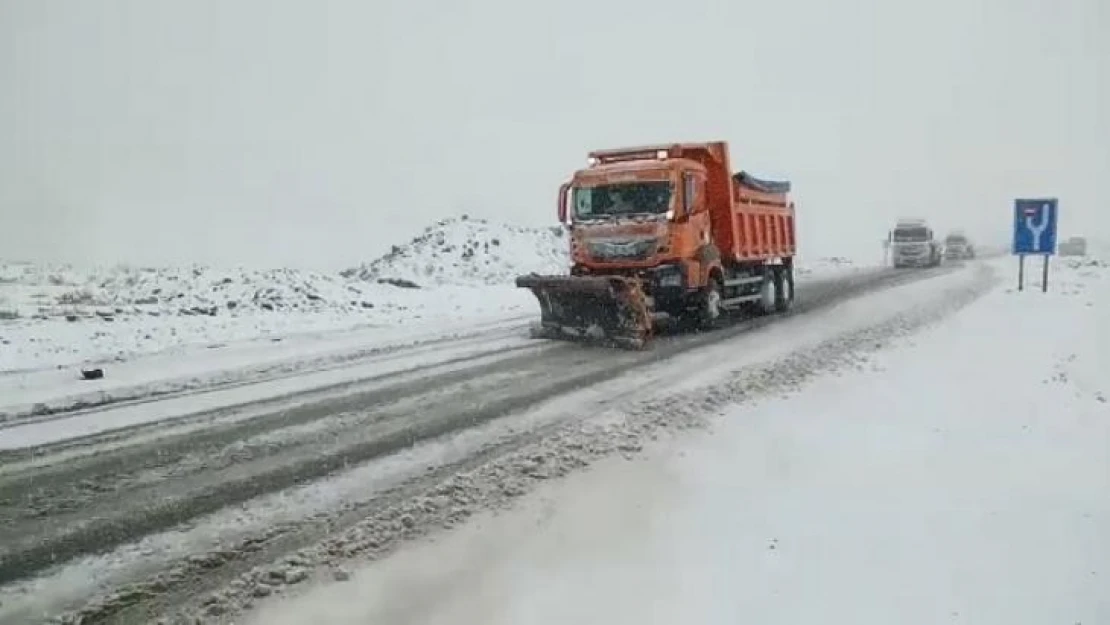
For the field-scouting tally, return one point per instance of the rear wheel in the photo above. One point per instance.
(768, 293)
(784, 289)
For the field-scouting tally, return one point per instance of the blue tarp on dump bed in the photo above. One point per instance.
(765, 186)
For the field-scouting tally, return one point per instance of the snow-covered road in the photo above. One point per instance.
(958, 475)
(176, 512)
(244, 391)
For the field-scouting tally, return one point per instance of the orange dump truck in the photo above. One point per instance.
(666, 232)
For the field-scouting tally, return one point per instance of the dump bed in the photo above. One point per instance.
(752, 218)
(760, 222)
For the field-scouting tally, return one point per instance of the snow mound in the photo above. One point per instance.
(472, 252)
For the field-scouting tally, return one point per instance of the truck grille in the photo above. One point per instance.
(623, 249)
(909, 250)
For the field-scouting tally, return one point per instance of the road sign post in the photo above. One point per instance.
(1034, 234)
(1044, 275)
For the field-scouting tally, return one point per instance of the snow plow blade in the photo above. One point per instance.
(600, 309)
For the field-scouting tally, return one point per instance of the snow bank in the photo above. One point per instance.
(34, 344)
(108, 292)
(910, 486)
(60, 315)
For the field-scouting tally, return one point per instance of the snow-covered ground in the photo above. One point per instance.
(958, 474)
(161, 331)
(64, 316)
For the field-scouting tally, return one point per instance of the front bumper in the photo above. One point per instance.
(913, 261)
(667, 285)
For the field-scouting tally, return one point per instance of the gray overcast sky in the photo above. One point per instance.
(317, 132)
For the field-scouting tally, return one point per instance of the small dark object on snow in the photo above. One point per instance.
(92, 374)
(399, 282)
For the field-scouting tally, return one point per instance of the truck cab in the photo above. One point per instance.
(913, 244)
(638, 214)
(958, 247)
(632, 212)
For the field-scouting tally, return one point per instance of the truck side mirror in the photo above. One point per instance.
(562, 210)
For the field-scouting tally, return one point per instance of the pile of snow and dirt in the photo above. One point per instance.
(61, 315)
(925, 494)
(54, 340)
(470, 251)
(46, 291)
(453, 252)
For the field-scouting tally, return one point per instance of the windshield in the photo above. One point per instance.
(956, 240)
(632, 198)
(911, 234)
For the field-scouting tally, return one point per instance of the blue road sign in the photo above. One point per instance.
(1035, 226)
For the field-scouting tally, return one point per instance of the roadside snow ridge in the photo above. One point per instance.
(453, 252)
(45, 291)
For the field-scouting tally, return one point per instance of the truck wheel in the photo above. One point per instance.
(768, 293)
(784, 289)
(709, 312)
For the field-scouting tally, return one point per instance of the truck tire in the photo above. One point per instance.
(709, 308)
(768, 293)
(784, 289)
